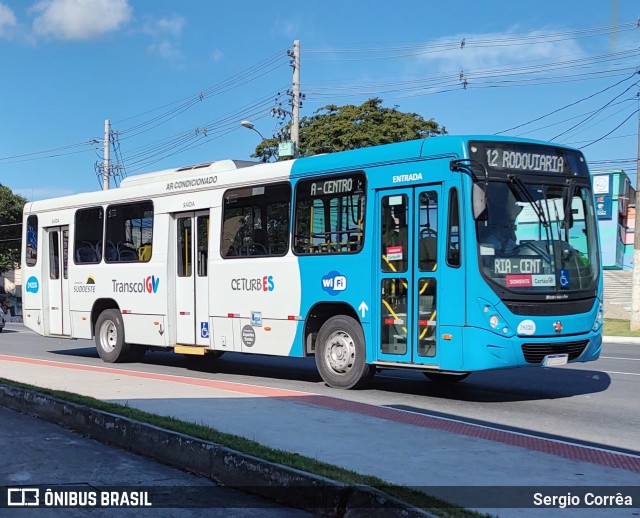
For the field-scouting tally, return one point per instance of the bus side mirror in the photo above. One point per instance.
(570, 218)
(479, 202)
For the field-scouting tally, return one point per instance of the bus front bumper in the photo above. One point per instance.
(484, 350)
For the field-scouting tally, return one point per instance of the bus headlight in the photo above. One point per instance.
(597, 324)
(496, 322)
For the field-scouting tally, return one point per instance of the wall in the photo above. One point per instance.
(616, 217)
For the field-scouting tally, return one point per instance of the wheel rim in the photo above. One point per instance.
(108, 336)
(340, 352)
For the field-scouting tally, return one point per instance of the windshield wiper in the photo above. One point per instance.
(540, 251)
(567, 207)
(524, 191)
(514, 179)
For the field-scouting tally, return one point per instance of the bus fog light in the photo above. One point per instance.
(494, 321)
(597, 324)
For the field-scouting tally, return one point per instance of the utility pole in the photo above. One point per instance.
(635, 282)
(295, 107)
(106, 166)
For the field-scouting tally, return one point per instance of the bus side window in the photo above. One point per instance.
(329, 214)
(395, 236)
(130, 227)
(453, 230)
(428, 236)
(428, 250)
(54, 256)
(202, 245)
(31, 253)
(88, 239)
(255, 221)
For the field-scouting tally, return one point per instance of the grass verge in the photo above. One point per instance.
(618, 327)
(416, 498)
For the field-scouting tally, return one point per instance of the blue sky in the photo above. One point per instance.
(176, 78)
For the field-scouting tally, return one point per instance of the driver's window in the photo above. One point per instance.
(577, 231)
(500, 233)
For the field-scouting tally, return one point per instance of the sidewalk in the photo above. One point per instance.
(617, 294)
(50, 454)
(398, 446)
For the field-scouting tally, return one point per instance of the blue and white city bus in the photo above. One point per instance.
(446, 255)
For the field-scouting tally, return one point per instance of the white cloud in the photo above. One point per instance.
(166, 33)
(166, 50)
(171, 27)
(484, 51)
(217, 55)
(167, 27)
(79, 19)
(7, 21)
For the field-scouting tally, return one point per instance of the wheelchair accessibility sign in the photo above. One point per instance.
(564, 279)
(204, 329)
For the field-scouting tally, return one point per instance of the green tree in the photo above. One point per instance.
(11, 206)
(339, 128)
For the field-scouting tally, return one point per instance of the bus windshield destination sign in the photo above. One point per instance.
(506, 156)
(333, 186)
(517, 265)
(546, 163)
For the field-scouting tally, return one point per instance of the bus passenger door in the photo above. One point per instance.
(408, 274)
(55, 279)
(192, 296)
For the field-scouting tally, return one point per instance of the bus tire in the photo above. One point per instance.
(446, 377)
(341, 353)
(109, 337)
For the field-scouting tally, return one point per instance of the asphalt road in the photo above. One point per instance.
(577, 402)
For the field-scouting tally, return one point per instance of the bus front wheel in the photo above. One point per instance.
(109, 337)
(341, 355)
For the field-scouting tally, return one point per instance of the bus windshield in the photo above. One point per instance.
(538, 237)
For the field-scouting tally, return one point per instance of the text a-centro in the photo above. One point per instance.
(445, 255)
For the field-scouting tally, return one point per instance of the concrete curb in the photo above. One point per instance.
(632, 340)
(222, 465)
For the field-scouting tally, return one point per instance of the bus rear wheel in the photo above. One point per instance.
(109, 338)
(341, 353)
(446, 377)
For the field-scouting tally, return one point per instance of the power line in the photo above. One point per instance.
(183, 141)
(466, 42)
(25, 157)
(614, 129)
(177, 108)
(240, 79)
(551, 125)
(578, 68)
(595, 113)
(566, 106)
